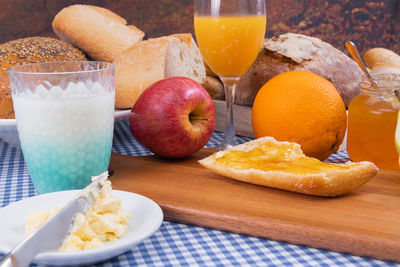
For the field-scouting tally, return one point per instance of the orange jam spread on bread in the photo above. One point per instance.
(268, 162)
(271, 156)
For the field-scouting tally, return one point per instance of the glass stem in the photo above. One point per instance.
(230, 136)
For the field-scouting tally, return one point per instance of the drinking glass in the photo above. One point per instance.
(65, 121)
(229, 34)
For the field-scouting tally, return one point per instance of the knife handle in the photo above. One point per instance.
(8, 261)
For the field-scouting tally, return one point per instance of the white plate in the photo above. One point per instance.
(146, 218)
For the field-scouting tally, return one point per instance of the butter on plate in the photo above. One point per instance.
(105, 221)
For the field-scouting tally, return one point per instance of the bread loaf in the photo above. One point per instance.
(149, 61)
(299, 52)
(210, 72)
(378, 68)
(30, 50)
(99, 32)
(214, 87)
(381, 56)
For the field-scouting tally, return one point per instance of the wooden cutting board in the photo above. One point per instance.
(365, 222)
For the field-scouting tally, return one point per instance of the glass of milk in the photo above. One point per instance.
(65, 120)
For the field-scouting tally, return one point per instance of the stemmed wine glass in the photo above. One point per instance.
(229, 34)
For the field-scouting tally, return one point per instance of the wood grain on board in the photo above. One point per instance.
(365, 222)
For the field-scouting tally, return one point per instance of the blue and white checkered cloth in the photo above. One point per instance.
(179, 244)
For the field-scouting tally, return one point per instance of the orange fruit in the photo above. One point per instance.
(301, 107)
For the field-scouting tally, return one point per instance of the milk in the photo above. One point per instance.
(65, 135)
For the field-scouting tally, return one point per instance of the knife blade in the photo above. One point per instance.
(52, 233)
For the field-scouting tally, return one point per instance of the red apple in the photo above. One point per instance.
(173, 118)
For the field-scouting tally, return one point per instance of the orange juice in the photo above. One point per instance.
(230, 44)
(371, 131)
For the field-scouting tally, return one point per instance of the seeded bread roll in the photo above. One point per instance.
(152, 60)
(98, 31)
(30, 50)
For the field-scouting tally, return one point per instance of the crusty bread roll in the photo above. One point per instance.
(214, 87)
(381, 56)
(99, 32)
(382, 68)
(30, 50)
(283, 165)
(210, 72)
(291, 51)
(152, 60)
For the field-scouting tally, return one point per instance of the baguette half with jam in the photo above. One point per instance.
(283, 165)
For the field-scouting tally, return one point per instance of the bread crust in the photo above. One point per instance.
(380, 68)
(137, 68)
(146, 62)
(30, 50)
(333, 182)
(214, 87)
(291, 51)
(99, 32)
(381, 56)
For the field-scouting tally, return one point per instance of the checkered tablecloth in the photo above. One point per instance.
(184, 245)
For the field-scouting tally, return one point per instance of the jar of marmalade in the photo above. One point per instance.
(372, 120)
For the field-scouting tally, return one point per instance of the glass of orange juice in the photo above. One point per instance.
(229, 34)
(372, 121)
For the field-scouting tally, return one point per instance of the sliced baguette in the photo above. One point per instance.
(334, 180)
(98, 31)
(152, 60)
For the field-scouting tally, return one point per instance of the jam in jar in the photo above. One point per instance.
(372, 120)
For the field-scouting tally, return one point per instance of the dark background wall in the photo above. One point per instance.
(368, 23)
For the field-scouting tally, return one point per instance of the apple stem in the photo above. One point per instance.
(198, 118)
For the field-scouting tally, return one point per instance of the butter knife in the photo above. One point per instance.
(52, 233)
